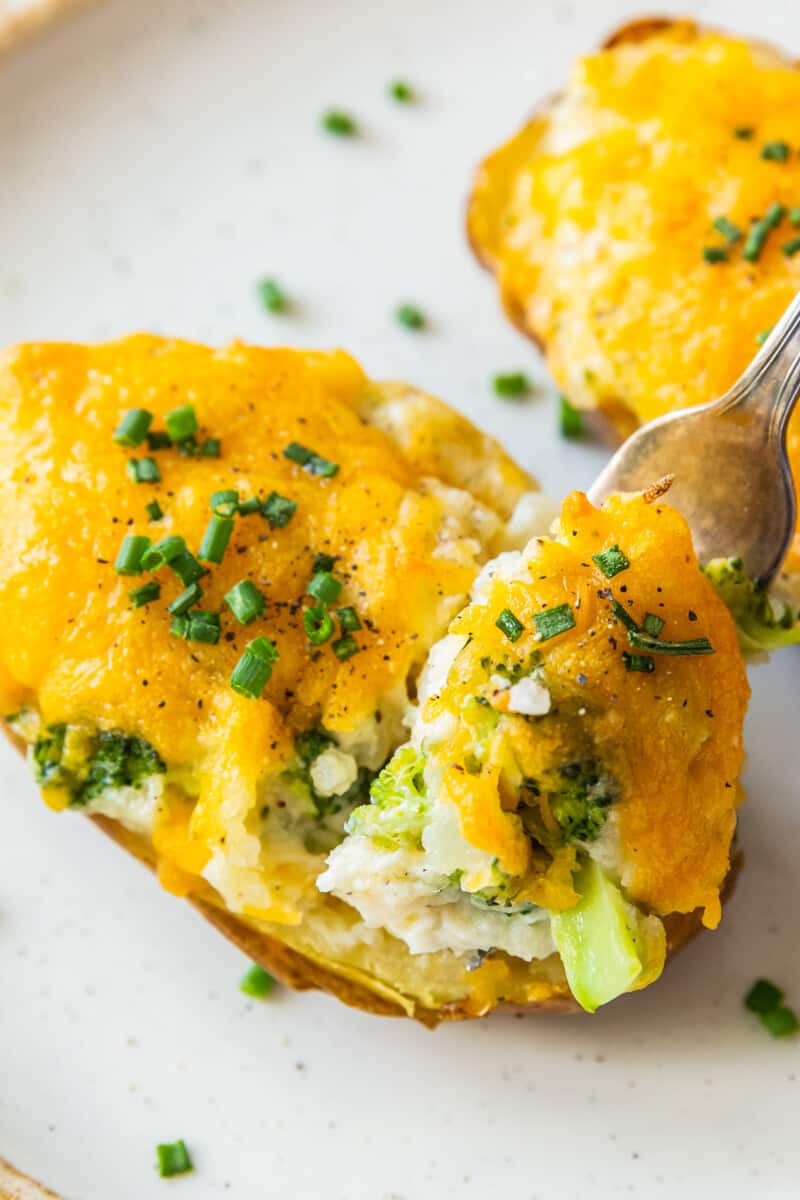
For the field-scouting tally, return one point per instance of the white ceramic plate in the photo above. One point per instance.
(155, 160)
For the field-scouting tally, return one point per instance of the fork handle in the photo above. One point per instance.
(769, 388)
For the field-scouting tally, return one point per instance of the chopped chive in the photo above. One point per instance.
(553, 621)
(186, 600)
(794, 216)
(297, 453)
(652, 624)
(144, 470)
(187, 568)
(732, 233)
(173, 1159)
(775, 214)
(179, 626)
(510, 625)
(645, 641)
(345, 647)
(348, 619)
(272, 296)
(247, 507)
(715, 254)
(163, 552)
(570, 419)
(324, 586)
(410, 316)
(622, 614)
(225, 503)
(611, 561)
(203, 627)
(775, 151)
(755, 241)
(188, 447)
(245, 601)
(511, 386)
(256, 982)
(253, 670)
(763, 335)
(211, 448)
(323, 562)
(315, 463)
(759, 230)
(322, 466)
(763, 996)
(790, 248)
(639, 662)
(158, 440)
(181, 423)
(145, 594)
(744, 132)
(318, 624)
(130, 553)
(780, 1021)
(278, 510)
(132, 429)
(154, 510)
(339, 123)
(401, 91)
(215, 539)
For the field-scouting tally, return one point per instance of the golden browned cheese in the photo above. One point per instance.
(595, 215)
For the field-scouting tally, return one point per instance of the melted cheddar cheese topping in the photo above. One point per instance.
(671, 739)
(418, 502)
(595, 216)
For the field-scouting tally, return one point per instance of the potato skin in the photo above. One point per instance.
(15, 1186)
(302, 974)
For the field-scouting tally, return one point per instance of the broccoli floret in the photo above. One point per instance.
(86, 764)
(117, 760)
(581, 800)
(308, 747)
(399, 805)
(310, 744)
(750, 605)
(48, 752)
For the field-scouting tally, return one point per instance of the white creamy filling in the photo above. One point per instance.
(447, 850)
(529, 697)
(533, 516)
(133, 807)
(396, 890)
(333, 772)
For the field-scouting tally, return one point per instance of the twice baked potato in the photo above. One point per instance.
(231, 581)
(644, 229)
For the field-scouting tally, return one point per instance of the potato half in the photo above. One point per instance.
(624, 223)
(230, 583)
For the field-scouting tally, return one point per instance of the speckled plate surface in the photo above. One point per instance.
(156, 160)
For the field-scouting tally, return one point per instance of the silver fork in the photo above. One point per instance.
(731, 475)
